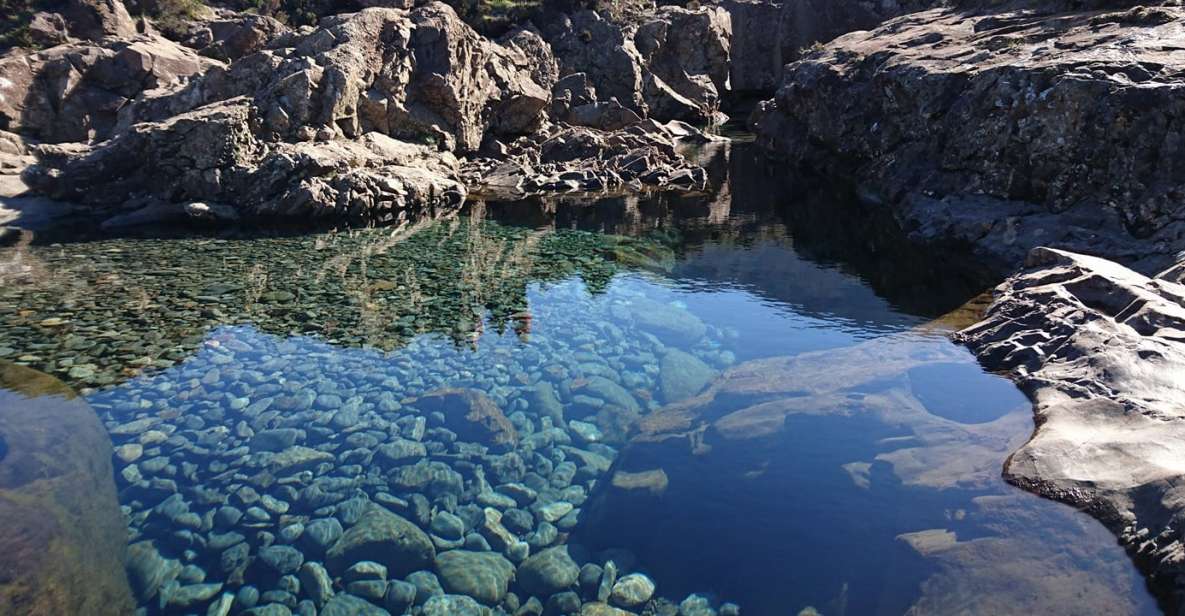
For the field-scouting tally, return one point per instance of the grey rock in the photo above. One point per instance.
(551, 571)
(1099, 348)
(316, 582)
(1029, 176)
(148, 570)
(282, 559)
(683, 375)
(453, 605)
(319, 535)
(632, 590)
(427, 585)
(400, 596)
(485, 576)
(349, 605)
(385, 538)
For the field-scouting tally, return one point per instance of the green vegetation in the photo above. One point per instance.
(14, 23)
(171, 15)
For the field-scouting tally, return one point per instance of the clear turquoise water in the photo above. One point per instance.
(876, 491)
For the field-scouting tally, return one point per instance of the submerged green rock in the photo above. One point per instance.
(62, 536)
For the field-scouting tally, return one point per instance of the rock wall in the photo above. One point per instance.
(1002, 130)
(1100, 350)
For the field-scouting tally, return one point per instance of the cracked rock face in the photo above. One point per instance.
(1072, 113)
(1100, 350)
(420, 75)
(213, 155)
(76, 92)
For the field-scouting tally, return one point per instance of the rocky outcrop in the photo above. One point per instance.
(97, 19)
(756, 51)
(686, 54)
(631, 155)
(672, 66)
(63, 537)
(231, 36)
(420, 75)
(1100, 350)
(1002, 130)
(805, 23)
(213, 155)
(76, 92)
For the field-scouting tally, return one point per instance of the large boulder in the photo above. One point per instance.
(97, 19)
(76, 92)
(1100, 350)
(686, 53)
(213, 155)
(756, 51)
(585, 42)
(1002, 130)
(472, 415)
(420, 75)
(63, 539)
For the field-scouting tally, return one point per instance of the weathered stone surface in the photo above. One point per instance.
(1100, 350)
(421, 75)
(1005, 130)
(77, 92)
(96, 19)
(804, 23)
(585, 42)
(755, 63)
(63, 539)
(385, 538)
(472, 415)
(231, 36)
(485, 576)
(564, 158)
(686, 53)
(212, 155)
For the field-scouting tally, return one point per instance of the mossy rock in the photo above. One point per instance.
(63, 538)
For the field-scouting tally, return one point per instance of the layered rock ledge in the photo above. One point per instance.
(1100, 350)
(1003, 130)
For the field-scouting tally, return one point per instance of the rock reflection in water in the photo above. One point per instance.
(61, 531)
(848, 479)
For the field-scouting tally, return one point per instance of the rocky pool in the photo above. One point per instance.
(743, 401)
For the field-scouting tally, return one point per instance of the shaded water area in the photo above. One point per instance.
(746, 398)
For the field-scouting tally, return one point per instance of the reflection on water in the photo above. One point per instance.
(742, 397)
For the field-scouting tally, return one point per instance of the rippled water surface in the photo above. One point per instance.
(746, 396)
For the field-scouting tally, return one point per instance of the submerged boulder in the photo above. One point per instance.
(385, 538)
(472, 415)
(62, 542)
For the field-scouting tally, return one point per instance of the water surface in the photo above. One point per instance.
(822, 444)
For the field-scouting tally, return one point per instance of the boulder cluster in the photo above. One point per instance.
(377, 116)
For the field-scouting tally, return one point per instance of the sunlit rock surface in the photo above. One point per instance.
(1101, 351)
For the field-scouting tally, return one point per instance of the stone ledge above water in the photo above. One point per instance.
(1100, 350)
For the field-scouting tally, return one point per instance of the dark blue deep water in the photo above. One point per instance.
(737, 402)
